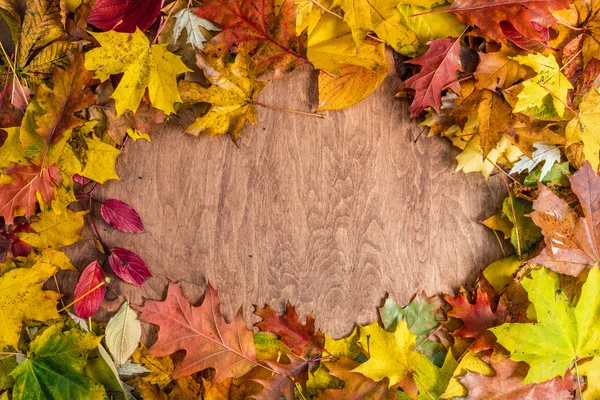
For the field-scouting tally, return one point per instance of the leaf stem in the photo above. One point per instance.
(258, 103)
(92, 290)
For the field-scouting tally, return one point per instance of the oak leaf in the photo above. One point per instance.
(489, 14)
(439, 66)
(144, 66)
(22, 298)
(302, 339)
(21, 193)
(268, 36)
(232, 95)
(572, 243)
(202, 332)
(563, 333)
(54, 367)
(124, 15)
(507, 384)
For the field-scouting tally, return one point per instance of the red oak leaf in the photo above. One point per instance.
(477, 318)
(270, 38)
(506, 384)
(21, 192)
(285, 378)
(202, 332)
(121, 216)
(90, 278)
(301, 339)
(128, 266)
(124, 15)
(526, 16)
(439, 65)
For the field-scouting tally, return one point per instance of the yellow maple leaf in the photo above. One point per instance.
(22, 298)
(391, 354)
(585, 127)
(54, 230)
(549, 82)
(11, 151)
(591, 370)
(232, 95)
(144, 66)
(469, 362)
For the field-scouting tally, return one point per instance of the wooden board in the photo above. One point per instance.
(329, 214)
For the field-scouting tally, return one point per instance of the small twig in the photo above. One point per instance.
(164, 22)
(58, 290)
(92, 290)
(290, 111)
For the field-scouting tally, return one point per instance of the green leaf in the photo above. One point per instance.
(563, 333)
(525, 234)
(54, 367)
(557, 174)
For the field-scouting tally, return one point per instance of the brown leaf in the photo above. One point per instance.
(202, 332)
(572, 243)
(506, 384)
(284, 380)
(497, 70)
(494, 115)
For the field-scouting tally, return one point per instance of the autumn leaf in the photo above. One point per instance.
(591, 370)
(469, 361)
(123, 334)
(42, 25)
(232, 95)
(124, 15)
(9, 12)
(585, 127)
(54, 367)
(52, 230)
(121, 216)
(379, 16)
(496, 70)
(284, 379)
(128, 266)
(508, 384)
(549, 84)
(439, 66)
(356, 386)
(21, 193)
(89, 291)
(208, 341)
(546, 153)
(571, 242)
(269, 37)
(23, 299)
(489, 15)
(563, 333)
(353, 85)
(493, 114)
(186, 19)
(591, 42)
(302, 339)
(144, 66)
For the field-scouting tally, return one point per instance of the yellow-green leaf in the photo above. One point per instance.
(41, 26)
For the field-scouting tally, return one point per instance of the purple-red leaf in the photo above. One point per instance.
(129, 266)
(82, 180)
(89, 279)
(124, 15)
(121, 216)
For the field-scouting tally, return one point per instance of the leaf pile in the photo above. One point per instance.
(514, 85)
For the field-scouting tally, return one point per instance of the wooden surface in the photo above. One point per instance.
(329, 214)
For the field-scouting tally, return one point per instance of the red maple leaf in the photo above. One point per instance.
(28, 180)
(527, 17)
(270, 38)
(202, 332)
(301, 339)
(439, 66)
(478, 317)
(124, 15)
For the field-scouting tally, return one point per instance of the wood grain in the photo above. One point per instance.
(329, 214)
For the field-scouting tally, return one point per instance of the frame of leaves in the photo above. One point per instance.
(513, 84)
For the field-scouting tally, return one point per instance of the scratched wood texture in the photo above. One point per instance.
(329, 214)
